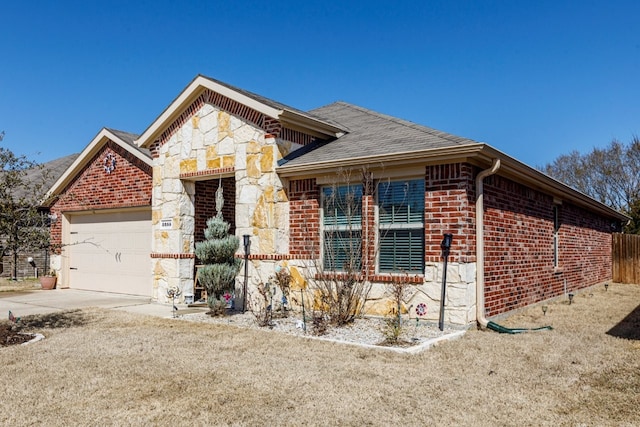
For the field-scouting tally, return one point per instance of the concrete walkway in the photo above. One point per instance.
(25, 303)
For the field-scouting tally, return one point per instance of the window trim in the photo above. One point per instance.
(556, 236)
(339, 228)
(387, 227)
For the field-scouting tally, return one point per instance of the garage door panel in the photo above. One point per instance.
(110, 252)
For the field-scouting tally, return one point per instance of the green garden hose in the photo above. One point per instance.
(503, 330)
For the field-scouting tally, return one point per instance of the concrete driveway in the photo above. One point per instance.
(25, 303)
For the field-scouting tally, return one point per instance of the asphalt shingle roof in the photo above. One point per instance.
(370, 134)
(266, 101)
(130, 139)
(55, 168)
(46, 174)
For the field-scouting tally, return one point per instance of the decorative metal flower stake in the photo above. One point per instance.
(421, 311)
(172, 293)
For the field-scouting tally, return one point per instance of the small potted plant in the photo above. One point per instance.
(48, 281)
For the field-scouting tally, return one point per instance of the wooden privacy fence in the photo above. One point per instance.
(626, 258)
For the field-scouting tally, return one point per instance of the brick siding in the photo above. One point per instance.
(205, 204)
(304, 219)
(519, 268)
(450, 208)
(369, 232)
(129, 185)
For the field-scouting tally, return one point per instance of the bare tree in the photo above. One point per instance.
(341, 287)
(610, 175)
(352, 239)
(23, 226)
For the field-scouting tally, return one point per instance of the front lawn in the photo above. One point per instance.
(99, 367)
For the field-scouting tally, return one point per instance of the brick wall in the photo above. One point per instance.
(40, 258)
(450, 208)
(304, 219)
(128, 185)
(519, 267)
(205, 204)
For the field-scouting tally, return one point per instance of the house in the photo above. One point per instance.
(131, 208)
(101, 217)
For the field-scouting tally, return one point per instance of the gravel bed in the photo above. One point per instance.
(366, 330)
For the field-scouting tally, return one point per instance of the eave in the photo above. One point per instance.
(479, 154)
(288, 118)
(96, 144)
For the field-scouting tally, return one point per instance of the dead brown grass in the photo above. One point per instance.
(113, 368)
(8, 285)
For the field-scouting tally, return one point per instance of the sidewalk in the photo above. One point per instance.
(42, 302)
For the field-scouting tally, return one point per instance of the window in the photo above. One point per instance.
(556, 236)
(401, 221)
(342, 225)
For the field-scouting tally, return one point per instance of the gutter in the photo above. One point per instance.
(457, 153)
(477, 153)
(480, 316)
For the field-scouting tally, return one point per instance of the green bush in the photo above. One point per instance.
(217, 253)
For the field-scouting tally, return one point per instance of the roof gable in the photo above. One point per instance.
(123, 139)
(287, 116)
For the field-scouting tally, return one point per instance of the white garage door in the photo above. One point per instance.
(110, 252)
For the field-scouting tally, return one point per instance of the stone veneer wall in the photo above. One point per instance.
(212, 143)
(129, 185)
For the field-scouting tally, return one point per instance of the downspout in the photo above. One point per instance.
(480, 317)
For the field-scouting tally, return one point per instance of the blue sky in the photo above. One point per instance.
(533, 79)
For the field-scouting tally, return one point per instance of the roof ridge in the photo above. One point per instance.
(265, 100)
(121, 131)
(128, 137)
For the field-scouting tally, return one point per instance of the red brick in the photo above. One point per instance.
(128, 185)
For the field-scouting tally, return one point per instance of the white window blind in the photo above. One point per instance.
(401, 226)
(342, 227)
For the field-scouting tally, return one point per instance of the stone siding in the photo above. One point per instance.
(209, 144)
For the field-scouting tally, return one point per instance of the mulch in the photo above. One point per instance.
(11, 335)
